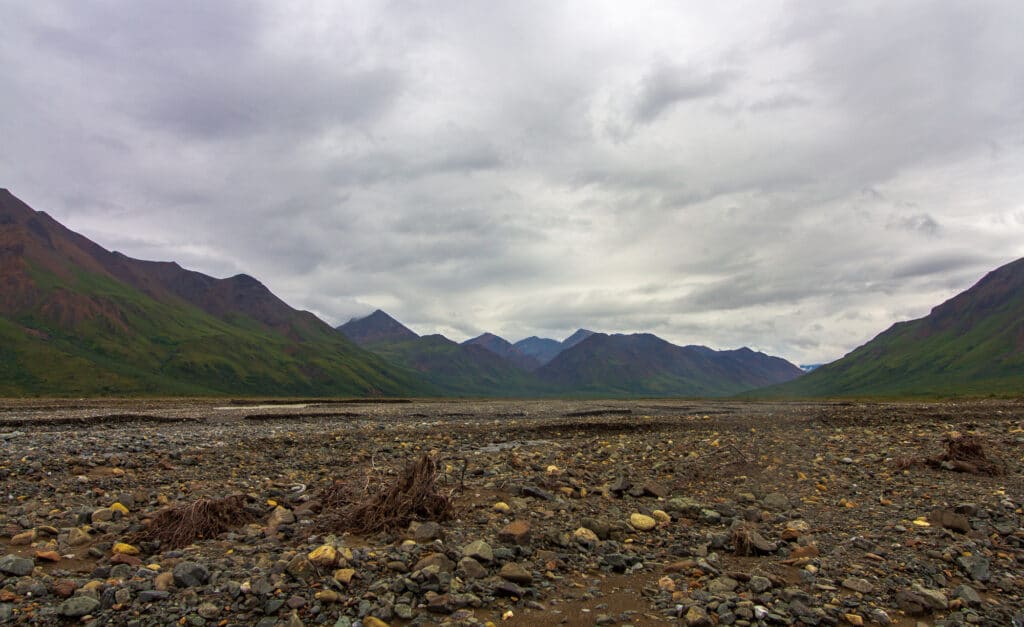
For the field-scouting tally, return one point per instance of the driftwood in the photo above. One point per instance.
(181, 525)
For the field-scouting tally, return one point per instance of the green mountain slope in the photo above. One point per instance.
(972, 344)
(78, 319)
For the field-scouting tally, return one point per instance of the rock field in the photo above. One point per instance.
(564, 512)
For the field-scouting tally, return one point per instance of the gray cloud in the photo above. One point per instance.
(794, 178)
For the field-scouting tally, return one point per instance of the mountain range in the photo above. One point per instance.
(78, 319)
(584, 364)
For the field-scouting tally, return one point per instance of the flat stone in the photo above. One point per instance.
(440, 560)
(25, 537)
(17, 566)
(696, 616)
(78, 606)
(344, 575)
(515, 573)
(858, 585)
(759, 584)
(653, 488)
(722, 584)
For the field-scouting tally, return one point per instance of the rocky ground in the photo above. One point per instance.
(616, 513)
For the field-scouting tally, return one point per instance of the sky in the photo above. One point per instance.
(793, 176)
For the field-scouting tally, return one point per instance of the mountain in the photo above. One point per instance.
(461, 369)
(504, 349)
(377, 327)
(540, 348)
(76, 318)
(972, 344)
(576, 338)
(646, 365)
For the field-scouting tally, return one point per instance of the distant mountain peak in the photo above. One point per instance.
(378, 327)
(576, 338)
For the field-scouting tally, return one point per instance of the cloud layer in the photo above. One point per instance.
(792, 176)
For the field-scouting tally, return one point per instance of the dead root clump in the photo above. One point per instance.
(413, 495)
(181, 525)
(966, 453)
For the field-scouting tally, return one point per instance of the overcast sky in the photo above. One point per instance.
(790, 176)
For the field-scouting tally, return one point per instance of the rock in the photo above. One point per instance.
(208, 610)
(48, 556)
(428, 532)
(344, 575)
(17, 566)
(722, 584)
(471, 568)
(501, 507)
(976, 566)
(642, 522)
(478, 550)
(653, 488)
(373, 621)
(515, 573)
(440, 560)
(697, 617)
(586, 536)
(661, 516)
(854, 619)
(23, 538)
(78, 537)
(508, 589)
(324, 556)
(103, 514)
(124, 548)
(967, 594)
(600, 527)
(122, 558)
(776, 501)
(190, 574)
(620, 486)
(280, 516)
(150, 596)
(857, 585)
(516, 532)
(119, 508)
(920, 600)
(684, 506)
(536, 492)
(795, 529)
(301, 568)
(78, 606)
(759, 584)
(950, 519)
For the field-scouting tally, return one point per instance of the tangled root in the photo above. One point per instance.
(181, 525)
(412, 496)
(966, 453)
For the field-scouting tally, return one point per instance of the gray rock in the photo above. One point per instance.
(17, 566)
(759, 584)
(967, 594)
(478, 550)
(472, 568)
(858, 585)
(78, 606)
(776, 501)
(190, 574)
(976, 566)
(428, 532)
(149, 596)
(722, 584)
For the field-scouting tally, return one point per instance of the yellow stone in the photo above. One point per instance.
(501, 506)
(373, 621)
(125, 549)
(324, 555)
(344, 575)
(854, 619)
(921, 522)
(585, 535)
(118, 507)
(328, 596)
(642, 522)
(661, 516)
